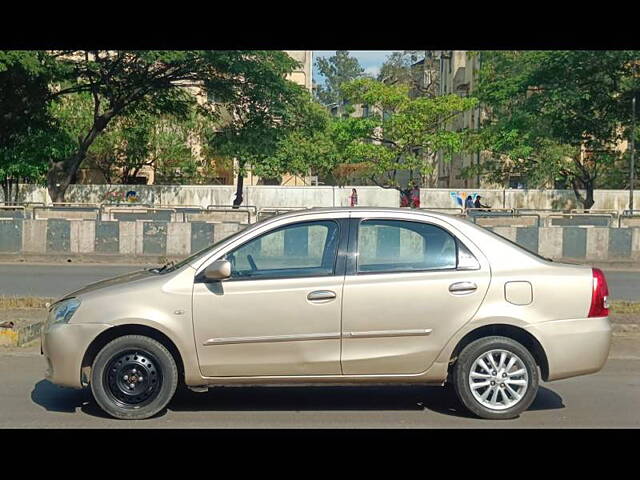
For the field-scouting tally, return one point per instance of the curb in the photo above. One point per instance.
(17, 337)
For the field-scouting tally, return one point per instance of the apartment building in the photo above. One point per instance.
(457, 74)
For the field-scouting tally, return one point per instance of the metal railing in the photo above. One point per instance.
(252, 213)
(453, 210)
(250, 210)
(112, 213)
(67, 208)
(13, 208)
(590, 218)
(499, 213)
(267, 212)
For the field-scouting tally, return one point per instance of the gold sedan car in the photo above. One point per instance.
(336, 296)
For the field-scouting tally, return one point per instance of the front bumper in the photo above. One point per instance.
(63, 346)
(574, 347)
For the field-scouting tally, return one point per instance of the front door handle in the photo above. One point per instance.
(462, 288)
(321, 295)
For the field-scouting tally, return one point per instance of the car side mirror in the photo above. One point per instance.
(218, 270)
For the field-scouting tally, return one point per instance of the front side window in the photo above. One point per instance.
(298, 250)
(396, 245)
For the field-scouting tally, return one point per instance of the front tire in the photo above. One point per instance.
(496, 378)
(133, 377)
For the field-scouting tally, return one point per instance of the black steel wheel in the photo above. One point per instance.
(133, 377)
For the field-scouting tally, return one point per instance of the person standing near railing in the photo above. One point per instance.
(354, 197)
(468, 203)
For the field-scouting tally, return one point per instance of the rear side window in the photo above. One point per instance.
(396, 246)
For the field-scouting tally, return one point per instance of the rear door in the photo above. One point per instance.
(409, 287)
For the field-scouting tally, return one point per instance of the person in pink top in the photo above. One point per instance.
(415, 196)
(354, 197)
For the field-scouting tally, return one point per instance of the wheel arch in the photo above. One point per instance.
(518, 334)
(132, 329)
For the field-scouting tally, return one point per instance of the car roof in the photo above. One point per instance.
(402, 211)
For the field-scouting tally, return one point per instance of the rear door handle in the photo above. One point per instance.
(460, 288)
(321, 295)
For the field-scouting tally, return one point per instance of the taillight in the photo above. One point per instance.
(599, 295)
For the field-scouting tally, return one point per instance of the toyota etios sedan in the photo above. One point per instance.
(336, 296)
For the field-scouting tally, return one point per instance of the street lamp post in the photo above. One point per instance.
(633, 151)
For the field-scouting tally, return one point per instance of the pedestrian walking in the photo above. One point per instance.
(354, 197)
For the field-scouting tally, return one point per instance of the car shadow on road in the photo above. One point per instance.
(65, 400)
(432, 398)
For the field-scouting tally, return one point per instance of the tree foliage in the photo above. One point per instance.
(25, 122)
(390, 147)
(254, 135)
(158, 83)
(556, 115)
(401, 135)
(337, 70)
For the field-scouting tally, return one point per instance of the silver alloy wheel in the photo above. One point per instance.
(498, 379)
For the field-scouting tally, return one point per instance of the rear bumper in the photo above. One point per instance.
(63, 346)
(574, 347)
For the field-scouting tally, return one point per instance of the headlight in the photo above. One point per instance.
(62, 311)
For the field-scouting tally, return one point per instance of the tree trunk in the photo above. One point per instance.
(58, 181)
(15, 196)
(61, 174)
(238, 200)
(5, 190)
(588, 201)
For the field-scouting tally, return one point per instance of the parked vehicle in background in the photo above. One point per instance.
(336, 296)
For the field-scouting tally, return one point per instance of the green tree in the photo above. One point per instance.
(157, 82)
(397, 142)
(253, 134)
(337, 70)
(307, 147)
(24, 120)
(556, 115)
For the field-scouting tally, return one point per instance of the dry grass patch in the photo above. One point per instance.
(13, 303)
(620, 306)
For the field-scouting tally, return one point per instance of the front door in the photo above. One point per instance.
(406, 296)
(279, 313)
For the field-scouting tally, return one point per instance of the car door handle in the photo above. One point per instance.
(462, 287)
(321, 295)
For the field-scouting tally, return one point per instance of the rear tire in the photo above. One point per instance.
(133, 377)
(496, 378)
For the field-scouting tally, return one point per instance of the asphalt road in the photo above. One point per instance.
(609, 398)
(42, 280)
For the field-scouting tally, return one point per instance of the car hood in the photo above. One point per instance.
(112, 282)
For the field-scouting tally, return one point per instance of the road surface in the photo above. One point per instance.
(609, 398)
(42, 280)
